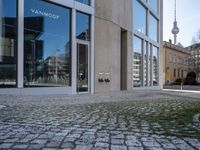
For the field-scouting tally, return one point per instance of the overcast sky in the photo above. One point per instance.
(188, 18)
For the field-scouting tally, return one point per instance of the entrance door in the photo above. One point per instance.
(82, 67)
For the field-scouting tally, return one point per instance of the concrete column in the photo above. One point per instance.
(74, 52)
(129, 59)
(151, 64)
(143, 62)
(148, 64)
(20, 45)
(162, 52)
(92, 74)
(1, 9)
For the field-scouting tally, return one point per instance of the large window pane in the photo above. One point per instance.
(153, 28)
(155, 65)
(47, 50)
(82, 26)
(137, 62)
(139, 17)
(8, 43)
(153, 4)
(87, 2)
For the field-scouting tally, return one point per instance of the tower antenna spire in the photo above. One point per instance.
(175, 29)
(175, 10)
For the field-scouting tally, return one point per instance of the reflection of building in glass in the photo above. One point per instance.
(194, 61)
(155, 70)
(155, 66)
(175, 62)
(33, 49)
(137, 69)
(148, 31)
(84, 35)
(46, 45)
(55, 69)
(7, 52)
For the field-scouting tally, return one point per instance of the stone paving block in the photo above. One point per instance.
(131, 137)
(67, 145)
(53, 144)
(74, 136)
(147, 139)
(118, 147)
(154, 148)
(193, 142)
(168, 146)
(98, 148)
(117, 141)
(83, 147)
(133, 143)
(49, 149)
(151, 144)
(10, 140)
(39, 141)
(20, 146)
(5, 145)
(184, 146)
(101, 145)
(119, 136)
(70, 139)
(35, 146)
(135, 148)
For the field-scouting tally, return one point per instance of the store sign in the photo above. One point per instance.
(45, 14)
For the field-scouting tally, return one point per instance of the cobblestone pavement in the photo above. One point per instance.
(150, 120)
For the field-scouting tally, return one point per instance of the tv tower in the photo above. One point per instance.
(175, 29)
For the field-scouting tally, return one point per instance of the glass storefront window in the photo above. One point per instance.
(153, 28)
(139, 17)
(47, 48)
(137, 62)
(155, 65)
(153, 4)
(8, 43)
(87, 2)
(82, 26)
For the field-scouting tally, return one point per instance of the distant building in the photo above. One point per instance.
(194, 62)
(175, 62)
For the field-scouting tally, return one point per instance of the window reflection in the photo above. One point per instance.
(47, 50)
(82, 26)
(137, 62)
(8, 43)
(153, 28)
(87, 2)
(139, 17)
(155, 65)
(153, 4)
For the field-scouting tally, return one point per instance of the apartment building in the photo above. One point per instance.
(176, 62)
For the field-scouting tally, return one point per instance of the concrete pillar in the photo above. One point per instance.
(1, 9)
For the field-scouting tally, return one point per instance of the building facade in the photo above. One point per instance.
(194, 62)
(79, 46)
(176, 62)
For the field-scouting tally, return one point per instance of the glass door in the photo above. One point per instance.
(82, 67)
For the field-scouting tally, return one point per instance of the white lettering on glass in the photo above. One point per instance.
(45, 14)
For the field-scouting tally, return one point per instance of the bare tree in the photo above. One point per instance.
(196, 38)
